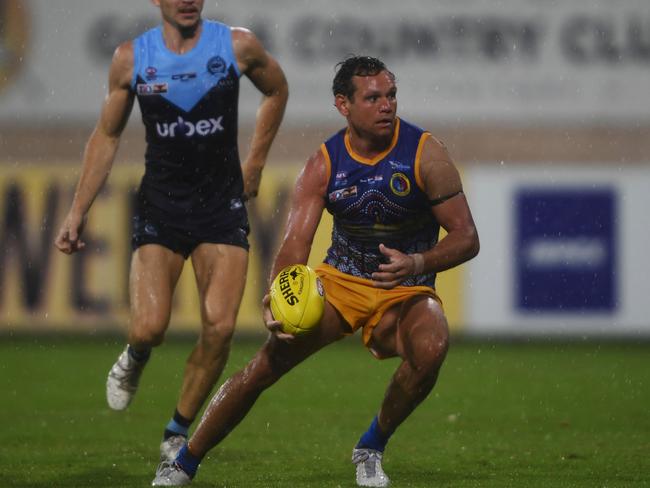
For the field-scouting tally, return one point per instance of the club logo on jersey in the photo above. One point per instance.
(184, 76)
(145, 89)
(216, 65)
(187, 129)
(150, 73)
(343, 193)
(400, 184)
(150, 229)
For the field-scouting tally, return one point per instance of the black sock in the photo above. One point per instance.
(139, 356)
(178, 425)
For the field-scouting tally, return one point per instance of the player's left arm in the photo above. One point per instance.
(267, 76)
(444, 188)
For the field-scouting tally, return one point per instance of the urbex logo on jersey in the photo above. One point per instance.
(183, 128)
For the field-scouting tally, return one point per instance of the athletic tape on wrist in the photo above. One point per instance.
(418, 263)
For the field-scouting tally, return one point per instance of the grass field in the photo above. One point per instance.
(502, 415)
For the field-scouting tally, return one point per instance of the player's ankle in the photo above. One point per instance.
(187, 461)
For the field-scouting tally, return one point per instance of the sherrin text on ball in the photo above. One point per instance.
(297, 299)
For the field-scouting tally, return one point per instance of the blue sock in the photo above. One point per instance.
(374, 438)
(187, 461)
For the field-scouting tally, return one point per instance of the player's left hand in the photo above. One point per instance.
(252, 174)
(399, 267)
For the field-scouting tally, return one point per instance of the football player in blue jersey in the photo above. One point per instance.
(185, 74)
(390, 186)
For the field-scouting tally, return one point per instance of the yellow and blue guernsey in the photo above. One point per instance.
(189, 108)
(380, 200)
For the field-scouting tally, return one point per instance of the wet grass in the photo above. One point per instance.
(503, 415)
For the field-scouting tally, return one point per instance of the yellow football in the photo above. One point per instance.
(297, 299)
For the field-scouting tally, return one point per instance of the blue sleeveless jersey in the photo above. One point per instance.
(189, 108)
(378, 201)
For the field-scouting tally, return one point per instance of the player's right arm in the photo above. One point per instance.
(307, 205)
(101, 148)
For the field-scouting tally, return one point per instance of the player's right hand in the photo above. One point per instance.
(274, 326)
(68, 240)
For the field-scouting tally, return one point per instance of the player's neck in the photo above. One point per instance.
(366, 145)
(181, 39)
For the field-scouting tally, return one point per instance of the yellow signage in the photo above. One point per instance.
(41, 288)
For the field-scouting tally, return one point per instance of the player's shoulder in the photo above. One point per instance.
(245, 43)
(245, 38)
(123, 54)
(432, 148)
(123, 62)
(242, 34)
(317, 169)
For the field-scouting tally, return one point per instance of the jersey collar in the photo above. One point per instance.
(379, 157)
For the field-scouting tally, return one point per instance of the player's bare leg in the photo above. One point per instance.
(274, 359)
(220, 276)
(417, 332)
(220, 272)
(421, 340)
(154, 273)
(237, 395)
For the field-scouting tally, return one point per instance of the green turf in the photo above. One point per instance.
(503, 415)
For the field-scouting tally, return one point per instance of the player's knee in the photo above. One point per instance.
(429, 354)
(146, 333)
(218, 320)
(217, 333)
(261, 372)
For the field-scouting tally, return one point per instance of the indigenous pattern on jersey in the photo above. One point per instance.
(189, 108)
(378, 201)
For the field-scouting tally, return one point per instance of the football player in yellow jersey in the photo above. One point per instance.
(389, 186)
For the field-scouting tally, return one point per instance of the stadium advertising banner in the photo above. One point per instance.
(43, 289)
(563, 251)
(457, 62)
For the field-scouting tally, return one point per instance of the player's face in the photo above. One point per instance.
(373, 108)
(183, 14)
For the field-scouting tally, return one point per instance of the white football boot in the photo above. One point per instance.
(122, 382)
(170, 474)
(369, 470)
(169, 447)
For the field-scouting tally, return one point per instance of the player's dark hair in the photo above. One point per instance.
(355, 66)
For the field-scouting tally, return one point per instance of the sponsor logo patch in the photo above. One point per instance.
(182, 127)
(343, 193)
(184, 76)
(372, 179)
(145, 89)
(397, 166)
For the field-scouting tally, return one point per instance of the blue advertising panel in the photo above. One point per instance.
(565, 242)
